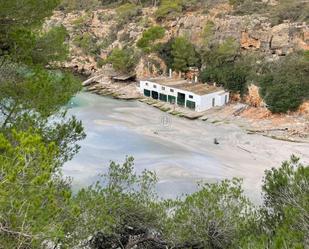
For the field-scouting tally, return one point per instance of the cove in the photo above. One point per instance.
(181, 152)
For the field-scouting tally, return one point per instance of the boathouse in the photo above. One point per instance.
(196, 96)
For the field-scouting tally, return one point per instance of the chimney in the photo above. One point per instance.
(170, 73)
(195, 79)
(215, 84)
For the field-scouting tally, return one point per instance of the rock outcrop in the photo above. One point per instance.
(253, 32)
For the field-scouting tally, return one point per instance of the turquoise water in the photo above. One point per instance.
(109, 138)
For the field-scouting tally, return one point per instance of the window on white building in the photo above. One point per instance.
(171, 90)
(146, 84)
(190, 97)
(163, 88)
(154, 86)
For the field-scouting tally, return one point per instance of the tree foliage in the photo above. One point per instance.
(147, 42)
(283, 219)
(123, 60)
(169, 8)
(122, 210)
(225, 66)
(285, 83)
(17, 22)
(71, 5)
(213, 217)
(35, 136)
(165, 52)
(286, 203)
(33, 197)
(184, 55)
(127, 12)
(50, 46)
(290, 10)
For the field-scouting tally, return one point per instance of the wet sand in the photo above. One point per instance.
(181, 151)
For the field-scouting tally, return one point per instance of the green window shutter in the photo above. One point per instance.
(163, 97)
(171, 99)
(190, 104)
(146, 93)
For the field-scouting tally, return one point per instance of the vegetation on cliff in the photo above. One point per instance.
(149, 37)
(144, 28)
(285, 83)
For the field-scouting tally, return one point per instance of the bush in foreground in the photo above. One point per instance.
(122, 209)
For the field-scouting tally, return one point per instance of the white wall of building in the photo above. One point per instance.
(214, 99)
(202, 102)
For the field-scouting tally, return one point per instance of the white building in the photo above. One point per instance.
(196, 96)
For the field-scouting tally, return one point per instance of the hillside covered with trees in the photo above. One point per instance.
(233, 43)
(38, 208)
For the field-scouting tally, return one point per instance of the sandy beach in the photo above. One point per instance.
(238, 153)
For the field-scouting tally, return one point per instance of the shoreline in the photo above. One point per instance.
(244, 116)
(240, 154)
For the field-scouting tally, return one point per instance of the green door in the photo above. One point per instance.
(171, 99)
(163, 97)
(181, 98)
(190, 104)
(154, 95)
(146, 93)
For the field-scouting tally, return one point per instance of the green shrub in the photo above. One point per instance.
(81, 21)
(101, 62)
(184, 55)
(248, 7)
(233, 76)
(169, 9)
(146, 43)
(179, 54)
(208, 33)
(201, 219)
(236, 2)
(165, 52)
(105, 17)
(71, 5)
(285, 84)
(285, 194)
(281, 98)
(127, 12)
(290, 10)
(225, 66)
(285, 10)
(87, 43)
(123, 60)
(51, 47)
(218, 54)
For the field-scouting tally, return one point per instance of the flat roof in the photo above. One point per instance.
(167, 81)
(181, 84)
(198, 88)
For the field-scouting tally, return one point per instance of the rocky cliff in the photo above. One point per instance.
(253, 32)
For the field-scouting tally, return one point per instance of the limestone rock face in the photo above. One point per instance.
(150, 66)
(248, 42)
(253, 32)
(281, 39)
